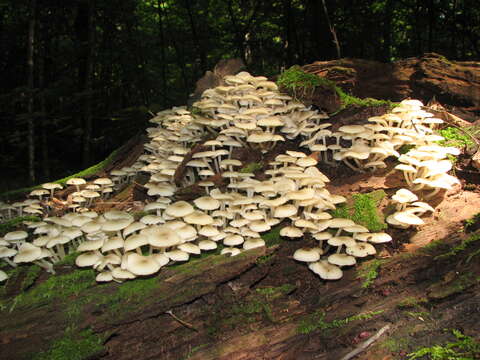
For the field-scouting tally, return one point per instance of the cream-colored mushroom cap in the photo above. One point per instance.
(306, 255)
(152, 219)
(3, 276)
(253, 243)
(51, 186)
(340, 223)
(207, 245)
(161, 258)
(135, 241)
(404, 196)
(113, 244)
(406, 217)
(198, 218)
(27, 253)
(142, 265)
(76, 181)
(190, 248)
(342, 260)
(116, 225)
(117, 214)
(233, 240)
(161, 236)
(14, 236)
(291, 232)
(379, 238)
(88, 259)
(284, 211)
(90, 245)
(104, 276)
(326, 270)
(122, 274)
(206, 203)
(133, 227)
(361, 250)
(178, 255)
(341, 240)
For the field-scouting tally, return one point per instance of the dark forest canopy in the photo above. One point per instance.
(78, 76)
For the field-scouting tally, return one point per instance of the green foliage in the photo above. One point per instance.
(316, 321)
(349, 100)
(68, 260)
(364, 210)
(13, 224)
(72, 346)
(464, 348)
(455, 137)
(272, 237)
(473, 223)
(368, 271)
(295, 79)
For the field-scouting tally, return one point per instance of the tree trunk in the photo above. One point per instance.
(332, 30)
(161, 34)
(87, 135)
(30, 106)
(196, 39)
(43, 112)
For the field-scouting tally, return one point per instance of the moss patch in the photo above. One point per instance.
(316, 321)
(299, 83)
(368, 271)
(363, 209)
(272, 237)
(72, 346)
(463, 348)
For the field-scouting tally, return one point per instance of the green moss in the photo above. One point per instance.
(73, 346)
(396, 344)
(298, 82)
(363, 209)
(442, 290)
(137, 215)
(274, 292)
(368, 271)
(68, 260)
(92, 170)
(460, 247)
(473, 223)
(264, 259)
(463, 348)
(273, 237)
(252, 167)
(56, 287)
(13, 224)
(411, 302)
(316, 321)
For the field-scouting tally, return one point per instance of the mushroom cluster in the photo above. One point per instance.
(246, 111)
(407, 210)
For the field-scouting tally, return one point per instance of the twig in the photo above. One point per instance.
(184, 323)
(366, 343)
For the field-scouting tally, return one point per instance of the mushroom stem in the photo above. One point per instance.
(10, 262)
(45, 265)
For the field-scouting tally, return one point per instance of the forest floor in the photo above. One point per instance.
(262, 304)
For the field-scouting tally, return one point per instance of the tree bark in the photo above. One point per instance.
(88, 123)
(30, 106)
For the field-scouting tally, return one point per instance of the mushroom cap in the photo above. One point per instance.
(142, 265)
(206, 203)
(117, 224)
(190, 248)
(3, 276)
(178, 255)
(51, 186)
(341, 240)
(253, 243)
(90, 245)
(306, 255)
(340, 223)
(104, 276)
(233, 240)
(27, 253)
(135, 241)
(198, 218)
(408, 218)
(291, 232)
(14, 236)
(284, 211)
(89, 258)
(230, 251)
(379, 238)
(342, 260)
(161, 236)
(403, 196)
(326, 270)
(361, 249)
(122, 274)
(207, 245)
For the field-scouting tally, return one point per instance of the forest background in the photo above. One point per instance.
(80, 77)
